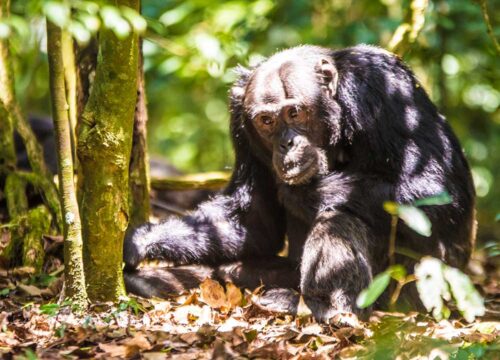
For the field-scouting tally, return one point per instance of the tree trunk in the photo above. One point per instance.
(73, 257)
(68, 55)
(11, 117)
(7, 150)
(139, 163)
(104, 146)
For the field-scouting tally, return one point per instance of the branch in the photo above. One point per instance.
(407, 33)
(203, 181)
(489, 27)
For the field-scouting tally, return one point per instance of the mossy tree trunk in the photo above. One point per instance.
(61, 111)
(7, 151)
(11, 117)
(25, 244)
(139, 162)
(104, 146)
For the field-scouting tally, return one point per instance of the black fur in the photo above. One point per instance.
(385, 140)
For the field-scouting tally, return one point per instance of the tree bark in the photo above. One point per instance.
(139, 162)
(7, 150)
(68, 55)
(73, 258)
(104, 146)
(17, 207)
(36, 223)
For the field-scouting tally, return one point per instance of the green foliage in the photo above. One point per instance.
(132, 305)
(51, 309)
(438, 282)
(414, 217)
(380, 282)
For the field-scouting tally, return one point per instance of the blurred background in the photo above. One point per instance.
(191, 48)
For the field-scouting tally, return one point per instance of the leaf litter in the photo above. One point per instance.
(220, 321)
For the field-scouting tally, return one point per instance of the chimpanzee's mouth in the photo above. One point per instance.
(300, 173)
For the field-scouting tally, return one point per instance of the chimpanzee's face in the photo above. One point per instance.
(282, 101)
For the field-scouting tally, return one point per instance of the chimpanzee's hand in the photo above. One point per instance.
(134, 246)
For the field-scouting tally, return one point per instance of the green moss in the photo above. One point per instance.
(37, 223)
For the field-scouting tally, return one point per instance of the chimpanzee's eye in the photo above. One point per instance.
(266, 120)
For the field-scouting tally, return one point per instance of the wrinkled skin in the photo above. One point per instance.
(322, 138)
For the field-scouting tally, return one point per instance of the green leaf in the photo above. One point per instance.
(397, 272)
(20, 25)
(4, 30)
(442, 198)
(431, 285)
(369, 295)
(57, 12)
(113, 20)
(5, 292)
(79, 32)
(60, 331)
(91, 22)
(176, 15)
(415, 219)
(469, 302)
(88, 6)
(50, 309)
(136, 20)
(497, 217)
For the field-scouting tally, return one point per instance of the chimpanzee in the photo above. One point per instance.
(322, 139)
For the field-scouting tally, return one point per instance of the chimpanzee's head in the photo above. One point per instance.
(287, 104)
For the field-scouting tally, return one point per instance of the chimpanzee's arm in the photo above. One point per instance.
(244, 220)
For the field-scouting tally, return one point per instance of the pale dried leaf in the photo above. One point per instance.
(233, 294)
(212, 293)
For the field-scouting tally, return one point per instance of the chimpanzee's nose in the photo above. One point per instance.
(287, 141)
(286, 145)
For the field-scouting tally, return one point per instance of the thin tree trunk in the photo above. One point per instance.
(7, 150)
(104, 146)
(68, 54)
(73, 257)
(139, 162)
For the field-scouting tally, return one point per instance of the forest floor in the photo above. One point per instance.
(216, 322)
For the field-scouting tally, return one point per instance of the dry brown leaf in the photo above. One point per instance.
(154, 356)
(212, 293)
(30, 290)
(302, 309)
(137, 343)
(190, 338)
(233, 295)
(113, 350)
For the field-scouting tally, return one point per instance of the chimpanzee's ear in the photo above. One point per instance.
(328, 76)
(237, 92)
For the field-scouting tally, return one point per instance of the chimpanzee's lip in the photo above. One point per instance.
(299, 174)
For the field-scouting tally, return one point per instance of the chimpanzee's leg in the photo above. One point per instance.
(335, 265)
